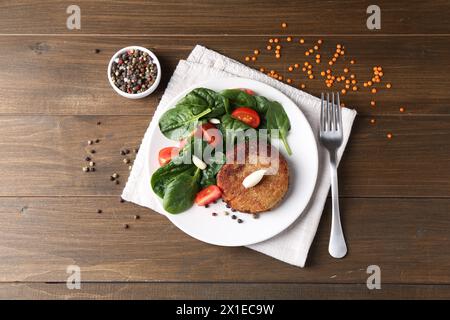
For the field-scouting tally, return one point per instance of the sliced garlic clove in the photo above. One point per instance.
(253, 178)
(198, 163)
(214, 121)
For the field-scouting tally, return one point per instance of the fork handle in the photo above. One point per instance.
(337, 247)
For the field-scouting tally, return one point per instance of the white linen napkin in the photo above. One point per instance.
(293, 244)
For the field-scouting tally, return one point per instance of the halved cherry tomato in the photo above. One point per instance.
(248, 91)
(208, 195)
(209, 133)
(247, 115)
(166, 154)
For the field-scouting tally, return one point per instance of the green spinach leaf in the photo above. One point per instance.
(177, 123)
(239, 98)
(262, 105)
(277, 118)
(209, 174)
(206, 98)
(180, 192)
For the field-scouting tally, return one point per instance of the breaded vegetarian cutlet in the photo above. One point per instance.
(266, 194)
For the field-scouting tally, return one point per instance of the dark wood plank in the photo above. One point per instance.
(43, 155)
(238, 291)
(64, 75)
(226, 17)
(40, 237)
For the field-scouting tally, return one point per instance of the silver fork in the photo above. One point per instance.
(331, 137)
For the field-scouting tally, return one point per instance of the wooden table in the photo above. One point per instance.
(395, 193)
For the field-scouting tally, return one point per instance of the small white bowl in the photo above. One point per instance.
(141, 94)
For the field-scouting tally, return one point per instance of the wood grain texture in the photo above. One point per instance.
(395, 194)
(41, 237)
(219, 291)
(43, 155)
(64, 75)
(223, 17)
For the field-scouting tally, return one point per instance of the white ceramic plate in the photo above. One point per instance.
(199, 223)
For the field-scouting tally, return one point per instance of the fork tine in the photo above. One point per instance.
(338, 112)
(329, 113)
(322, 104)
(333, 112)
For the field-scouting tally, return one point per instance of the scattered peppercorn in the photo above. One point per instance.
(97, 140)
(90, 142)
(99, 123)
(214, 214)
(136, 217)
(233, 217)
(126, 160)
(255, 216)
(99, 211)
(117, 182)
(97, 51)
(91, 163)
(87, 159)
(126, 226)
(85, 169)
(92, 151)
(240, 220)
(122, 200)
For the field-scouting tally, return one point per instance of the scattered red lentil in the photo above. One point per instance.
(388, 85)
(372, 121)
(302, 41)
(289, 39)
(402, 109)
(269, 47)
(256, 51)
(389, 135)
(247, 58)
(284, 25)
